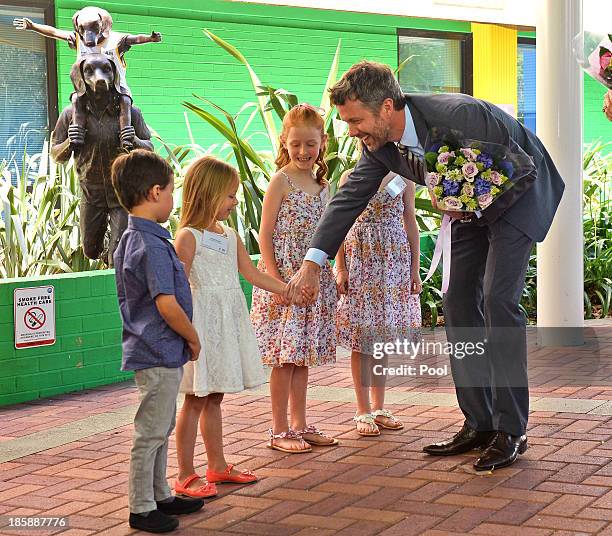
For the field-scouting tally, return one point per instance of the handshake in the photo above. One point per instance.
(303, 288)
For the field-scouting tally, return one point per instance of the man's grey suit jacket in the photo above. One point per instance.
(530, 208)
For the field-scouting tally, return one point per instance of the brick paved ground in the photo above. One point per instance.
(365, 486)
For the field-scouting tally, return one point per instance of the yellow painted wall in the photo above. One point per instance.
(495, 60)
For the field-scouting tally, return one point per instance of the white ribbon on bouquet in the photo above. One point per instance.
(442, 251)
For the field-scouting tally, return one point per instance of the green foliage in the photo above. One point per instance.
(597, 229)
(39, 227)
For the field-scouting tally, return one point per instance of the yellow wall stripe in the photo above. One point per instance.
(495, 56)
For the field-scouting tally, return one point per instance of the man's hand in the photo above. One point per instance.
(303, 287)
(194, 347)
(280, 299)
(155, 37)
(607, 105)
(22, 24)
(127, 136)
(76, 135)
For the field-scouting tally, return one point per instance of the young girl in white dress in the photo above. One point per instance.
(213, 254)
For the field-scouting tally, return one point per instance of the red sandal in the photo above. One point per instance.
(246, 477)
(182, 488)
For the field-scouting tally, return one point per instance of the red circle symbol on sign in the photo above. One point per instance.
(34, 318)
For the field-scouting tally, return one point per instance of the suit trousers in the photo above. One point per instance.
(488, 268)
(154, 421)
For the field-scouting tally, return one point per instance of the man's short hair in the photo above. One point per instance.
(371, 83)
(135, 173)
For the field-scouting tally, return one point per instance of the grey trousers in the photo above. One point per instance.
(155, 419)
(487, 278)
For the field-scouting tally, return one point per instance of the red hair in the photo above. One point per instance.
(303, 115)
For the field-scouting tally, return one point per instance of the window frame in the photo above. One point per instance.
(523, 40)
(48, 6)
(466, 39)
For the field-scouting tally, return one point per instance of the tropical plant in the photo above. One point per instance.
(597, 229)
(39, 228)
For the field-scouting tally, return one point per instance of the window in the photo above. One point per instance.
(28, 90)
(526, 82)
(441, 61)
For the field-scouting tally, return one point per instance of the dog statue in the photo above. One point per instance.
(98, 143)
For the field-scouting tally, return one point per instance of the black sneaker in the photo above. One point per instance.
(180, 506)
(156, 522)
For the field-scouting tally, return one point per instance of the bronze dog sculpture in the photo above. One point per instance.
(98, 143)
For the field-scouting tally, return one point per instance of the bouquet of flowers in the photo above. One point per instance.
(598, 62)
(469, 175)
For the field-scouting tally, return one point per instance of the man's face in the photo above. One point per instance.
(371, 128)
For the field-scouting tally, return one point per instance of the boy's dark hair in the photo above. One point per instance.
(135, 173)
(371, 83)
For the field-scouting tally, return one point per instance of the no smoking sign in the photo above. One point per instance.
(34, 316)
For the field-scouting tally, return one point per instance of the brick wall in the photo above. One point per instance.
(87, 352)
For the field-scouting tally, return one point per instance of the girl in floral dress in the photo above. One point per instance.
(292, 338)
(377, 274)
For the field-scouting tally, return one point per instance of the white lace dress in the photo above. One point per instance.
(230, 360)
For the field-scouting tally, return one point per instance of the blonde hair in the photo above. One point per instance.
(303, 115)
(205, 186)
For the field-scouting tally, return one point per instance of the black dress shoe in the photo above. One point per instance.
(180, 506)
(464, 440)
(503, 451)
(155, 521)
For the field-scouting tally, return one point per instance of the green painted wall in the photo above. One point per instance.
(87, 352)
(288, 47)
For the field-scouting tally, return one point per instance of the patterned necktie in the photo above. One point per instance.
(415, 164)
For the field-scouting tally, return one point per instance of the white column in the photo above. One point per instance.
(559, 125)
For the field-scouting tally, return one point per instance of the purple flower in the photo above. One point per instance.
(496, 178)
(451, 203)
(507, 167)
(450, 187)
(469, 170)
(468, 153)
(485, 200)
(443, 158)
(433, 179)
(482, 187)
(468, 189)
(485, 159)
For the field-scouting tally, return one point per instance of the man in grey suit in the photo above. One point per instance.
(489, 254)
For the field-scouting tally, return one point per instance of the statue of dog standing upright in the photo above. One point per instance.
(100, 141)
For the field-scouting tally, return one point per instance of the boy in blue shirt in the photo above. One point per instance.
(158, 337)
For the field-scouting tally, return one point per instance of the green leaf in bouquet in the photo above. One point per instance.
(431, 159)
